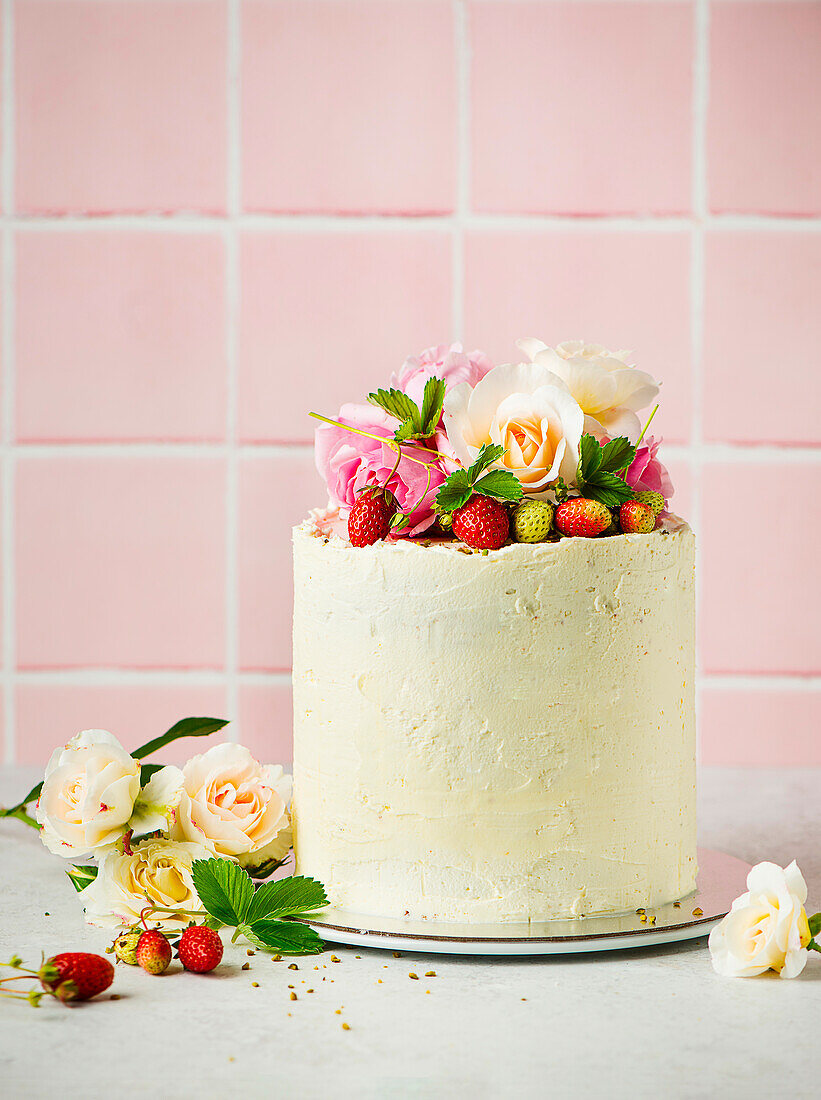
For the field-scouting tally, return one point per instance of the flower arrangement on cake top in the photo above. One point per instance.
(548, 448)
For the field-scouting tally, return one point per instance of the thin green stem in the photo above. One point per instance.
(646, 426)
(380, 438)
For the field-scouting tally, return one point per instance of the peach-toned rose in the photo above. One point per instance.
(527, 410)
(235, 806)
(609, 390)
(88, 794)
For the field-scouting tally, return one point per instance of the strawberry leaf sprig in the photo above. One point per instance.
(462, 484)
(415, 423)
(599, 466)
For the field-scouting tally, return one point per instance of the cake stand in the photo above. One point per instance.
(721, 878)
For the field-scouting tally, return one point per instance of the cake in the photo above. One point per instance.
(493, 714)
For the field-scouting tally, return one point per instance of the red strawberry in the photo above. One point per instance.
(370, 518)
(482, 523)
(579, 516)
(200, 949)
(77, 975)
(153, 952)
(636, 518)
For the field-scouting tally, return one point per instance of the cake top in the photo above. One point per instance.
(456, 448)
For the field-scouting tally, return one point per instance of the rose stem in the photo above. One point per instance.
(646, 426)
(380, 438)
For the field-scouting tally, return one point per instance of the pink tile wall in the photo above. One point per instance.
(220, 214)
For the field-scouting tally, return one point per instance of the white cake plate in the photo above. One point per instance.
(721, 878)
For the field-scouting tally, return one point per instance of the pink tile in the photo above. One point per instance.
(326, 318)
(48, 714)
(120, 562)
(134, 347)
(121, 106)
(762, 290)
(581, 108)
(348, 107)
(760, 603)
(266, 722)
(625, 290)
(275, 493)
(682, 477)
(764, 728)
(764, 149)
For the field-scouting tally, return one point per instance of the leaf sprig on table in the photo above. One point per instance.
(261, 915)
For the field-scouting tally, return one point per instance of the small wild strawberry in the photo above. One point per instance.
(153, 952)
(76, 975)
(482, 523)
(370, 518)
(653, 500)
(579, 516)
(200, 948)
(125, 946)
(636, 518)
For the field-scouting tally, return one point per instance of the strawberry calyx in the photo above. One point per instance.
(477, 480)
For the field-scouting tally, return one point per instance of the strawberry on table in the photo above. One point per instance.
(200, 949)
(153, 952)
(76, 975)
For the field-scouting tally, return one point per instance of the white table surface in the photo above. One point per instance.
(651, 1022)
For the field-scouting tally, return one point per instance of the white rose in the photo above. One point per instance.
(235, 806)
(88, 794)
(609, 390)
(526, 409)
(157, 872)
(767, 927)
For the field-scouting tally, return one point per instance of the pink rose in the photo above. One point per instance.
(646, 472)
(449, 363)
(348, 462)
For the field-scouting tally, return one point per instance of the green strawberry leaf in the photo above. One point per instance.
(224, 889)
(488, 454)
(501, 484)
(285, 898)
(284, 937)
(590, 456)
(432, 401)
(608, 488)
(82, 876)
(617, 455)
(406, 431)
(449, 498)
(397, 404)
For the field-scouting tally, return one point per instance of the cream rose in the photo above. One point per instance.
(235, 806)
(609, 390)
(88, 795)
(157, 872)
(526, 409)
(767, 928)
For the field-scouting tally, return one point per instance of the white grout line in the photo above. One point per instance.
(462, 78)
(154, 677)
(232, 379)
(699, 201)
(7, 507)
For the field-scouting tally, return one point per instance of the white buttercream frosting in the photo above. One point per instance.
(495, 737)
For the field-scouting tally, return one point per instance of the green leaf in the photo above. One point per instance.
(224, 889)
(82, 876)
(284, 937)
(286, 897)
(815, 924)
(432, 401)
(406, 431)
(813, 945)
(488, 454)
(449, 498)
(607, 488)
(501, 484)
(590, 456)
(398, 404)
(617, 454)
(147, 770)
(32, 796)
(186, 727)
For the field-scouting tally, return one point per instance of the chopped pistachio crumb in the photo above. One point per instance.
(430, 973)
(414, 976)
(276, 958)
(293, 966)
(250, 952)
(255, 985)
(246, 966)
(346, 1027)
(335, 959)
(698, 912)
(293, 996)
(396, 955)
(338, 1011)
